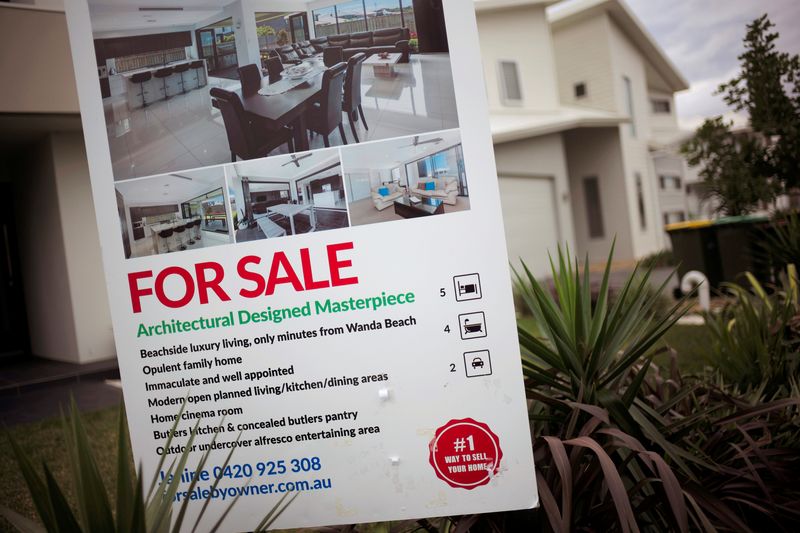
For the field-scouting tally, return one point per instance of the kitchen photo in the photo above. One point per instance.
(208, 82)
(287, 195)
(410, 177)
(173, 212)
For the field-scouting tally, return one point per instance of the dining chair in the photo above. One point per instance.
(326, 113)
(248, 138)
(274, 68)
(352, 92)
(250, 76)
(333, 55)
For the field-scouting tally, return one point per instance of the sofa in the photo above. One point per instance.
(445, 189)
(293, 54)
(382, 201)
(392, 40)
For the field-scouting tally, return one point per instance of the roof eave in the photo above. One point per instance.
(505, 135)
(630, 24)
(483, 6)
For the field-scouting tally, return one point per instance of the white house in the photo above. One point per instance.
(580, 94)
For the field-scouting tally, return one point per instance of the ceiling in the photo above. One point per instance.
(275, 168)
(395, 152)
(170, 188)
(122, 15)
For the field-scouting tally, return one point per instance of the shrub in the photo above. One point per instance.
(135, 511)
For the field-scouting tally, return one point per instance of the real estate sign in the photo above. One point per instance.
(303, 246)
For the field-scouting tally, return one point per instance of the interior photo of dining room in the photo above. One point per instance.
(287, 195)
(173, 212)
(409, 177)
(205, 82)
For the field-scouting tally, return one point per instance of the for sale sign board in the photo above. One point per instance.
(302, 237)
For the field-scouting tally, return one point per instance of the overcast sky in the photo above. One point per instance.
(704, 37)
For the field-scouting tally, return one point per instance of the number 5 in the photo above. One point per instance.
(442, 292)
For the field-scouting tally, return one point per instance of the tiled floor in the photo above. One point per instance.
(364, 211)
(185, 132)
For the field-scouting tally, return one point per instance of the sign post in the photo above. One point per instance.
(341, 317)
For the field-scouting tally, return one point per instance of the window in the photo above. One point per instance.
(360, 15)
(509, 77)
(661, 106)
(580, 90)
(594, 211)
(351, 17)
(274, 30)
(640, 202)
(629, 103)
(210, 207)
(325, 21)
(383, 14)
(670, 181)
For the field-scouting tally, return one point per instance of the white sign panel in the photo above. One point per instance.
(301, 230)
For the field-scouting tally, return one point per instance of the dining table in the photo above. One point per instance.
(280, 108)
(290, 210)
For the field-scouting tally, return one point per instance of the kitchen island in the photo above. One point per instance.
(155, 88)
(155, 229)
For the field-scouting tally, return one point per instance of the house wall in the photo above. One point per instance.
(628, 62)
(68, 314)
(36, 56)
(583, 55)
(598, 152)
(521, 35)
(662, 124)
(540, 158)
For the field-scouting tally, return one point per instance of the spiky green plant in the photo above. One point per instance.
(134, 510)
(585, 362)
(756, 337)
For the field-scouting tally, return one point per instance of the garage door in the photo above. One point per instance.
(529, 214)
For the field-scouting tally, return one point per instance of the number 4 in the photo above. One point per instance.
(447, 328)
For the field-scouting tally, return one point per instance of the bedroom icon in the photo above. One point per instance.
(472, 325)
(468, 287)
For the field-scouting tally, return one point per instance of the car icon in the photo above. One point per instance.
(477, 363)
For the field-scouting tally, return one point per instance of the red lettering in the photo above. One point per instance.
(308, 273)
(335, 264)
(203, 284)
(188, 292)
(280, 260)
(136, 292)
(251, 276)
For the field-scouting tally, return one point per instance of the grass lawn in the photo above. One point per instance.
(44, 442)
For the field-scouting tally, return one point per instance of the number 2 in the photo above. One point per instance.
(452, 367)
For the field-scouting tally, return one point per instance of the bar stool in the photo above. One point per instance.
(197, 66)
(197, 233)
(189, 233)
(141, 78)
(163, 241)
(180, 69)
(179, 236)
(163, 74)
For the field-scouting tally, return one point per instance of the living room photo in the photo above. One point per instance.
(218, 81)
(410, 177)
(287, 195)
